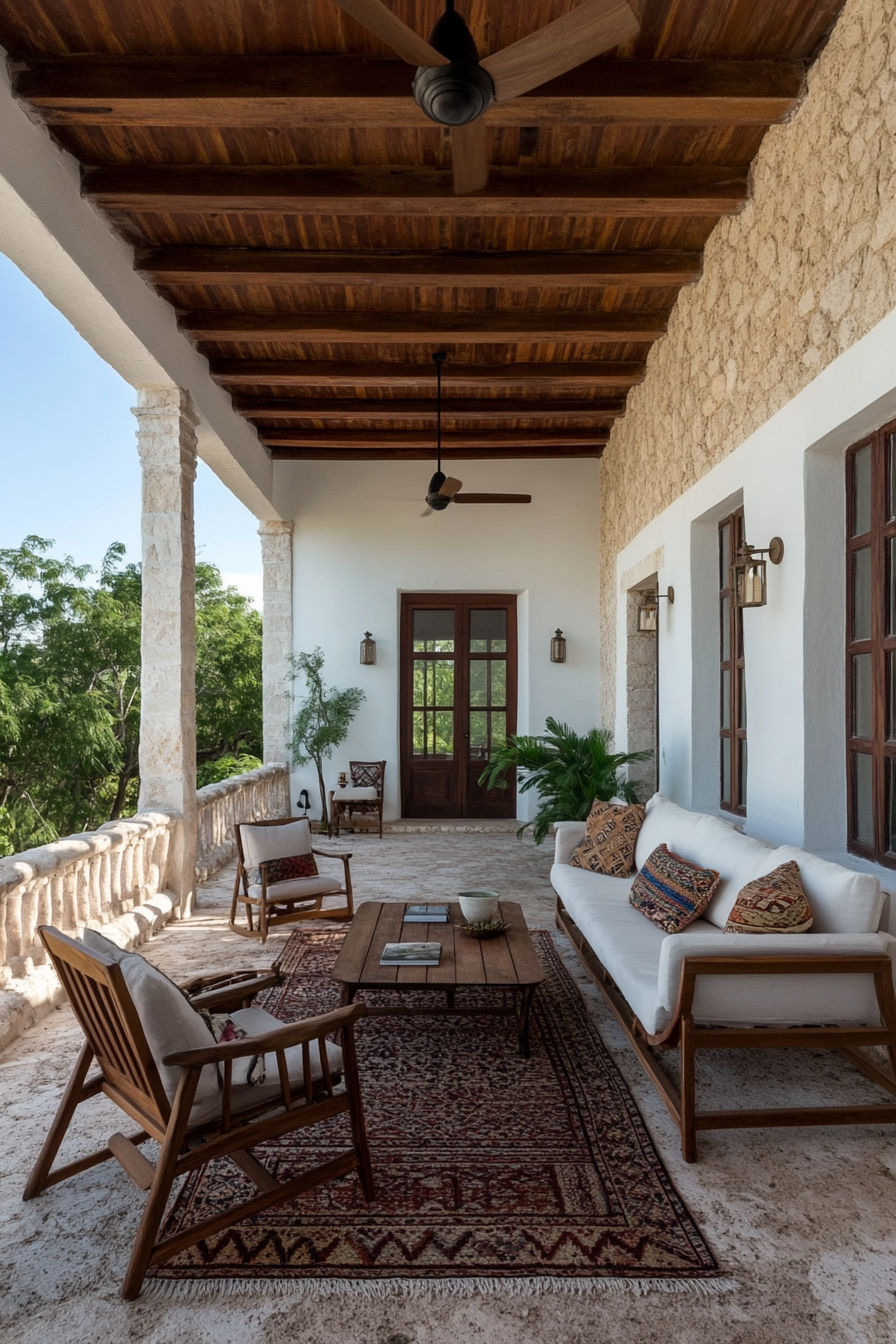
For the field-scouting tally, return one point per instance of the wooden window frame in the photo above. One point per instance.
(735, 666)
(880, 645)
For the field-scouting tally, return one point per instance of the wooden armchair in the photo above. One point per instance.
(194, 1098)
(266, 851)
(363, 797)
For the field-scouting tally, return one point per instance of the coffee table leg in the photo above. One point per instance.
(523, 1020)
(449, 996)
(348, 995)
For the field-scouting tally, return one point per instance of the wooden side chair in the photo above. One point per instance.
(363, 797)
(277, 877)
(157, 1059)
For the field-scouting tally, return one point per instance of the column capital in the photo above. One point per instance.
(166, 428)
(275, 527)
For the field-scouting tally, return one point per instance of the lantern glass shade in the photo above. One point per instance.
(647, 614)
(748, 581)
(368, 650)
(558, 647)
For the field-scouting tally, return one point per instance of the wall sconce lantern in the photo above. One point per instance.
(558, 647)
(368, 650)
(649, 609)
(748, 572)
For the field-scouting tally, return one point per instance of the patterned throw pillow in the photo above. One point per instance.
(610, 835)
(298, 865)
(224, 1029)
(671, 891)
(775, 903)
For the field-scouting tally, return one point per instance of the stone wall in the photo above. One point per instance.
(798, 277)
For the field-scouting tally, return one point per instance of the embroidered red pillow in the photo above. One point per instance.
(224, 1030)
(297, 865)
(775, 903)
(671, 891)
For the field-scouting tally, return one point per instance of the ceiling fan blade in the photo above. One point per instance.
(379, 19)
(450, 487)
(492, 499)
(584, 32)
(469, 157)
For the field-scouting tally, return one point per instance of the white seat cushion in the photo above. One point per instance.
(359, 794)
(261, 843)
(297, 888)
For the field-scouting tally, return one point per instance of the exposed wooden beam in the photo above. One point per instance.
(296, 373)
(695, 189)
(424, 439)
(453, 454)
(516, 270)
(331, 90)
(265, 408)
(387, 328)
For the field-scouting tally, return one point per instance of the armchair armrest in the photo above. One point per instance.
(231, 989)
(294, 1033)
(332, 854)
(568, 835)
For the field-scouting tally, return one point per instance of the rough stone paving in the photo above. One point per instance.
(487, 1166)
(802, 1219)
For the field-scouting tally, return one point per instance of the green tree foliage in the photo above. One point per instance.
(70, 688)
(323, 719)
(569, 771)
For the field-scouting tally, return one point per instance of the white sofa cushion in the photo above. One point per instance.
(842, 901)
(772, 1000)
(665, 823)
(297, 888)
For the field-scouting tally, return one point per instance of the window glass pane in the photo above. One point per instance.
(433, 632)
(444, 733)
(726, 699)
(488, 631)
(726, 770)
(478, 684)
(864, 818)
(479, 735)
(861, 497)
(433, 683)
(499, 729)
(726, 630)
(498, 674)
(861, 695)
(419, 748)
(891, 476)
(891, 806)
(861, 594)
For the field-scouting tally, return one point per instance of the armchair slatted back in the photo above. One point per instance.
(102, 1003)
(368, 774)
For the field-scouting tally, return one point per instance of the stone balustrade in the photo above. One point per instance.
(261, 793)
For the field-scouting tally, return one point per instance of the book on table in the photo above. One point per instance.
(411, 954)
(426, 914)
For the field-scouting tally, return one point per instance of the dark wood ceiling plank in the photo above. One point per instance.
(518, 270)
(453, 454)
(537, 378)
(453, 408)
(691, 190)
(398, 438)
(390, 328)
(333, 90)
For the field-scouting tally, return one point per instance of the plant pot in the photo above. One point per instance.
(478, 906)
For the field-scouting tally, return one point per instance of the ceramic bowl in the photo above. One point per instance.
(478, 906)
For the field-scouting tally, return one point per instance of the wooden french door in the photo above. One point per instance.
(458, 702)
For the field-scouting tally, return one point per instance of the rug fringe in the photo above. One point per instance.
(377, 1290)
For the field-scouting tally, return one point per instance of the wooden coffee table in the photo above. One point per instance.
(508, 963)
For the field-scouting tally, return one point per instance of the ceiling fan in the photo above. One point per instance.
(443, 490)
(455, 88)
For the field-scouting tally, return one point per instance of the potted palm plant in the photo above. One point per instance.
(322, 721)
(568, 769)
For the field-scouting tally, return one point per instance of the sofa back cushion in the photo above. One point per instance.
(842, 901)
(665, 823)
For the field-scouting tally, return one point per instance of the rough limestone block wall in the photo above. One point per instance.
(806, 270)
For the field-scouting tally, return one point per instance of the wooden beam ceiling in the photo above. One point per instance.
(389, 328)
(340, 90)
(535, 378)
(424, 439)
(266, 408)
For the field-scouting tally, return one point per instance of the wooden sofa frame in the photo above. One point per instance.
(684, 1033)
(127, 1074)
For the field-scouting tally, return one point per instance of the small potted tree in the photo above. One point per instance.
(322, 722)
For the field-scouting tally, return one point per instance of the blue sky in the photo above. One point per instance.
(68, 455)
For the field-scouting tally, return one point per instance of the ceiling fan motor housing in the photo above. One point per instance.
(461, 91)
(433, 498)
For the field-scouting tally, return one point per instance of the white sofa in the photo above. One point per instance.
(703, 988)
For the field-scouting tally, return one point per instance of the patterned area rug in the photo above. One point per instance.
(493, 1173)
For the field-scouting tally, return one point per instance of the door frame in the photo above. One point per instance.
(466, 601)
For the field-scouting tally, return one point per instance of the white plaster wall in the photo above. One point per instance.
(789, 475)
(359, 542)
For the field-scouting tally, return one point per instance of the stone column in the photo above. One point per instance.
(276, 559)
(166, 441)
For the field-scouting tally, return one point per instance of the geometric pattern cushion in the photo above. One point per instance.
(611, 832)
(671, 891)
(224, 1029)
(775, 903)
(296, 865)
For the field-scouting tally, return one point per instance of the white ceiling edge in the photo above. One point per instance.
(70, 252)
